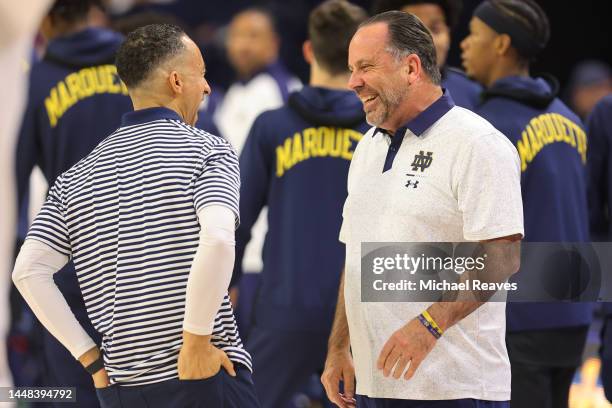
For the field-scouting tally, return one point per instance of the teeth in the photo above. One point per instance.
(369, 99)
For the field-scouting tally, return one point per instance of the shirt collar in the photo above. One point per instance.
(140, 116)
(428, 117)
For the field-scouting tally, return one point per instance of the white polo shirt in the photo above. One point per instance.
(452, 177)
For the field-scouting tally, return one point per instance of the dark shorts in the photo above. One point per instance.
(221, 390)
(367, 402)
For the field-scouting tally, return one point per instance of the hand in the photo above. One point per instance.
(408, 345)
(101, 379)
(201, 361)
(339, 366)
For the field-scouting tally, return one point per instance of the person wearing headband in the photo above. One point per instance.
(545, 340)
(440, 17)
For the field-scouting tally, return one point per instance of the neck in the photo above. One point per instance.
(323, 79)
(419, 99)
(142, 99)
(505, 70)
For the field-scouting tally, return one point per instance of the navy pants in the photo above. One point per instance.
(367, 402)
(283, 361)
(219, 391)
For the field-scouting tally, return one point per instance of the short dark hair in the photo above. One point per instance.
(408, 35)
(72, 11)
(145, 48)
(450, 8)
(529, 15)
(331, 25)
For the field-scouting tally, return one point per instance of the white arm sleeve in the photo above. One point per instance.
(211, 270)
(33, 276)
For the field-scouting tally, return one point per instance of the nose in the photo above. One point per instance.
(355, 81)
(207, 89)
(463, 44)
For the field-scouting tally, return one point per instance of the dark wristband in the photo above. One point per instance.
(96, 365)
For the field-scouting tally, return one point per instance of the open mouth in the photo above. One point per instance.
(369, 99)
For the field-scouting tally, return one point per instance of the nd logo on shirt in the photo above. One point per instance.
(421, 162)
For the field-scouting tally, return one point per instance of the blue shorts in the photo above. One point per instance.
(221, 390)
(367, 402)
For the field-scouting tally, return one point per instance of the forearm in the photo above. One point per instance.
(33, 277)
(211, 271)
(339, 338)
(501, 261)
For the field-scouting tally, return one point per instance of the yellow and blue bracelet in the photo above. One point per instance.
(431, 325)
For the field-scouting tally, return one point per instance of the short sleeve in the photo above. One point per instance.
(489, 189)
(219, 181)
(343, 235)
(50, 225)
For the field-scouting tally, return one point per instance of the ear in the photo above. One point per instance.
(501, 44)
(175, 83)
(307, 51)
(412, 67)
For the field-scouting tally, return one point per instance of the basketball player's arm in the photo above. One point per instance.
(33, 277)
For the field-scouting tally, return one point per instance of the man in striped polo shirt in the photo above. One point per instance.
(148, 218)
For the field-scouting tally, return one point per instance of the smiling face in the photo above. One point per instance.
(376, 77)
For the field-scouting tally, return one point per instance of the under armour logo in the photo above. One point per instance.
(414, 184)
(422, 161)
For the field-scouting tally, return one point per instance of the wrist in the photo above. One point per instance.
(339, 348)
(196, 341)
(430, 324)
(90, 356)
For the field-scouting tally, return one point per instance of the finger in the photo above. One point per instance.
(414, 364)
(349, 382)
(395, 355)
(400, 367)
(228, 365)
(331, 384)
(382, 357)
(349, 402)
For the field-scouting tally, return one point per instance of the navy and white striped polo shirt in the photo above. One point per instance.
(126, 214)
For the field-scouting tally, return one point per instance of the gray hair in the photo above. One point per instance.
(408, 35)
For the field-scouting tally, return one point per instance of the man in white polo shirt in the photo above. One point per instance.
(428, 171)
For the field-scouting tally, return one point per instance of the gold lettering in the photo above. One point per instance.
(88, 81)
(74, 86)
(323, 136)
(336, 141)
(297, 153)
(66, 100)
(111, 73)
(524, 148)
(283, 157)
(309, 142)
(54, 109)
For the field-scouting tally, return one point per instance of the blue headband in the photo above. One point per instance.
(520, 38)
